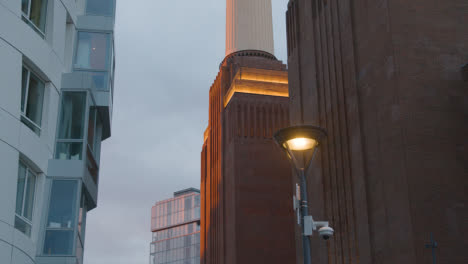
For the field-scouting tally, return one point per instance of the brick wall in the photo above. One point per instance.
(383, 78)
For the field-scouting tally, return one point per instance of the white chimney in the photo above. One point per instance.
(249, 26)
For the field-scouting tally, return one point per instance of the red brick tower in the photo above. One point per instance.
(246, 193)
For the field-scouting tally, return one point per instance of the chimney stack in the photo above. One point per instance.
(249, 26)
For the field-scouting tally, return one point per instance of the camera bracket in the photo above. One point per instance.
(310, 225)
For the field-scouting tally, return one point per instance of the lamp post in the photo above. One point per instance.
(300, 144)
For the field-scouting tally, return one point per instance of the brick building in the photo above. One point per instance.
(384, 79)
(246, 194)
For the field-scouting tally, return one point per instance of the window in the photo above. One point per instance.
(81, 227)
(82, 218)
(71, 126)
(61, 219)
(99, 80)
(93, 148)
(92, 128)
(100, 7)
(32, 98)
(34, 13)
(92, 55)
(92, 51)
(25, 199)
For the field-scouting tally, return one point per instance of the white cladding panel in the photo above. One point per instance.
(21, 45)
(249, 26)
(5, 250)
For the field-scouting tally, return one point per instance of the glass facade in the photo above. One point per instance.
(60, 228)
(176, 230)
(99, 80)
(94, 55)
(175, 211)
(92, 51)
(71, 126)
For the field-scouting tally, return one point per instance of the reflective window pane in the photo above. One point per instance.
(38, 13)
(92, 51)
(32, 99)
(35, 100)
(80, 238)
(25, 191)
(100, 7)
(29, 197)
(69, 151)
(99, 81)
(91, 127)
(24, 84)
(58, 242)
(61, 219)
(20, 188)
(72, 115)
(82, 217)
(62, 207)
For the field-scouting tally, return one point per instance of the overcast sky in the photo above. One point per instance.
(167, 56)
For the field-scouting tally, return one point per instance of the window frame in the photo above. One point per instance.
(94, 111)
(81, 224)
(79, 191)
(26, 96)
(89, 156)
(109, 58)
(85, 125)
(26, 18)
(92, 158)
(108, 55)
(23, 200)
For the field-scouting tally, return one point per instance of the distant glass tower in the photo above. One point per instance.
(175, 224)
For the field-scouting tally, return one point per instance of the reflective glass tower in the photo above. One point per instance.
(175, 224)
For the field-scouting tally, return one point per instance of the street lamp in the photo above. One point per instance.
(300, 144)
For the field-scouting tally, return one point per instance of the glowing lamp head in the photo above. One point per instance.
(300, 142)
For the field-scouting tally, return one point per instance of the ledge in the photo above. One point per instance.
(258, 81)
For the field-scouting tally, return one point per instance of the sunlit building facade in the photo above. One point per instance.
(246, 213)
(175, 226)
(56, 84)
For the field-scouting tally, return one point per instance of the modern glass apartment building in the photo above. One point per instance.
(56, 86)
(175, 224)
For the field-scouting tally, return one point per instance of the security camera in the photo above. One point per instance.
(323, 229)
(326, 232)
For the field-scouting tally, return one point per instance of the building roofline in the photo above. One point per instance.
(185, 191)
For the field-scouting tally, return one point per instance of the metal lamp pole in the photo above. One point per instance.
(304, 212)
(299, 143)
